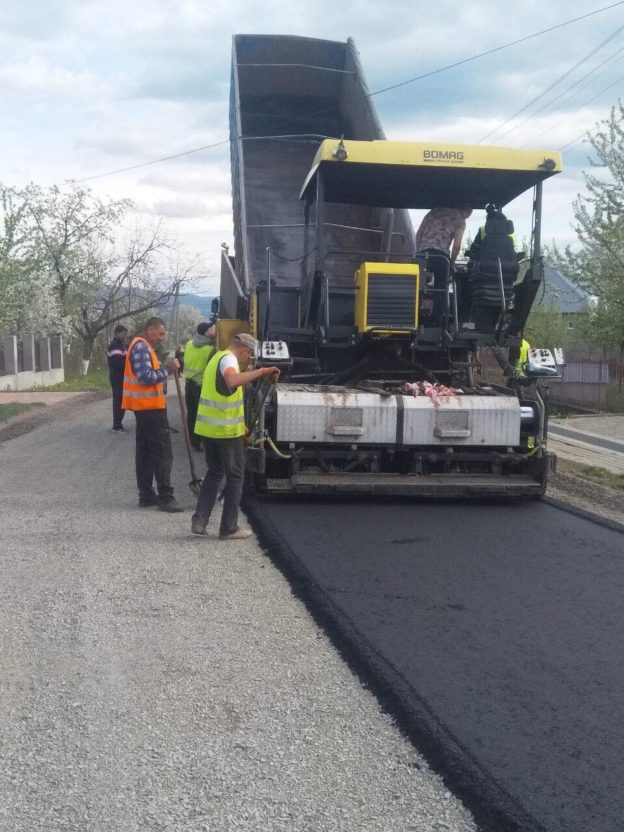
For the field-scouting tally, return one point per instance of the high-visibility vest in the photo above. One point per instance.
(196, 360)
(219, 416)
(483, 234)
(137, 396)
(523, 358)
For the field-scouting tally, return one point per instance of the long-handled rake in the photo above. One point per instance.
(195, 483)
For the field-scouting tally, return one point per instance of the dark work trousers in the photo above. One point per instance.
(439, 263)
(116, 383)
(226, 461)
(154, 457)
(191, 395)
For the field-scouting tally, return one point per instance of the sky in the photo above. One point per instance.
(92, 86)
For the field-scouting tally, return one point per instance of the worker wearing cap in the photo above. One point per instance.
(221, 422)
(197, 354)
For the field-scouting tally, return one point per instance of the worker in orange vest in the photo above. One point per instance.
(144, 393)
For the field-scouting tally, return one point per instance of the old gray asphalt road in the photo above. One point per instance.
(495, 631)
(153, 680)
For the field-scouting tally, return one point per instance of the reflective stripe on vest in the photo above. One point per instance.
(196, 360)
(523, 358)
(219, 417)
(137, 396)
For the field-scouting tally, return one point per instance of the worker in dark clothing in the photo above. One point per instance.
(144, 393)
(116, 357)
(197, 353)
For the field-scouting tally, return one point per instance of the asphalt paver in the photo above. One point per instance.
(497, 632)
(153, 680)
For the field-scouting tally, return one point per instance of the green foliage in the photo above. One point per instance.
(68, 263)
(598, 264)
(94, 380)
(546, 327)
(7, 411)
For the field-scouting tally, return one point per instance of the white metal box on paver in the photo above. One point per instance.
(335, 415)
(462, 420)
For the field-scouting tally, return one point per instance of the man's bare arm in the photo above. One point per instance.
(234, 379)
(457, 241)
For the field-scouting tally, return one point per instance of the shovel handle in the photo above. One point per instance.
(185, 429)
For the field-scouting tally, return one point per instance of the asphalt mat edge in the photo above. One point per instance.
(613, 525)
(493, 808)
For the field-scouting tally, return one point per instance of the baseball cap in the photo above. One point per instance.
(246, 340)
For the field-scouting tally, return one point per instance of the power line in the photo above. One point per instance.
(550, 87)
(413, 80)
(585, 104)
(563, 94)
(617, 54)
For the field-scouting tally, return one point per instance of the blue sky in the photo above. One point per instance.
(93, 86)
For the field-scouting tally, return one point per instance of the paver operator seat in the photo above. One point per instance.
(493, 245)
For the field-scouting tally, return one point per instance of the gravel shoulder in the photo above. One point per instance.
(155, 680)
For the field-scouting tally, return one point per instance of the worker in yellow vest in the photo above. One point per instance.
(522, 360)
(144, 393)
(221, 421)
(197, 353)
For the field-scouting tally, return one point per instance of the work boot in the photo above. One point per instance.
(170, 505)
(197, 525)
(239, 533)
(148, 502)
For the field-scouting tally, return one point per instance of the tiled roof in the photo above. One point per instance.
(561, 292)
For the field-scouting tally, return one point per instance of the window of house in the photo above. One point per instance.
(570, 323)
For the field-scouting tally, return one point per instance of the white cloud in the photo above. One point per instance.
(106, 85)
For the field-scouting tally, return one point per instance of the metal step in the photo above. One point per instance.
(431, 485)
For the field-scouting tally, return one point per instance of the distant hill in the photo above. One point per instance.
(200, 302)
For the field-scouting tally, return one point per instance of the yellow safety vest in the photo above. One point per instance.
(196, 360)
(218, 416)
(483, 235)
(523, 358)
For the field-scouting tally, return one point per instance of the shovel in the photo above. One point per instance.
(195, 483)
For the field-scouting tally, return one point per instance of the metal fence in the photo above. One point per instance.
(585, 382)
(27, 361)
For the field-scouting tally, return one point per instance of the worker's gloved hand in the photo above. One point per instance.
(271, 372)
(173, 364)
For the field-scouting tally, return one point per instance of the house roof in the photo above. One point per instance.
(561, 292)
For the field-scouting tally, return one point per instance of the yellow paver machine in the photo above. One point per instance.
(378, 344)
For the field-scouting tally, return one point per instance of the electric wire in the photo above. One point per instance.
(380, 91)
(567, 146)
(551, 86)
(561, 95)
(616, 55)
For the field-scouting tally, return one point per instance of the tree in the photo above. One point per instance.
(598, 263)
(27, 303)
(545, 327)
(184, 321)
(76, 246)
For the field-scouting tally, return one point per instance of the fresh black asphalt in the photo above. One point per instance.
(495, 634)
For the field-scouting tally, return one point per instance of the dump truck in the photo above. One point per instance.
(326, 275)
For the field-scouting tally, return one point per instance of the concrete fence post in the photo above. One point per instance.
(10, 354)
(56, 352)
(44, 354)
(29, 352)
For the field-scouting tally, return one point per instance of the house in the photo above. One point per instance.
(560, 293)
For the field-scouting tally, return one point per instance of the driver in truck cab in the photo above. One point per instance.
(221, 422)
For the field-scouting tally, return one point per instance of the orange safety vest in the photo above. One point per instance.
(137, 396)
